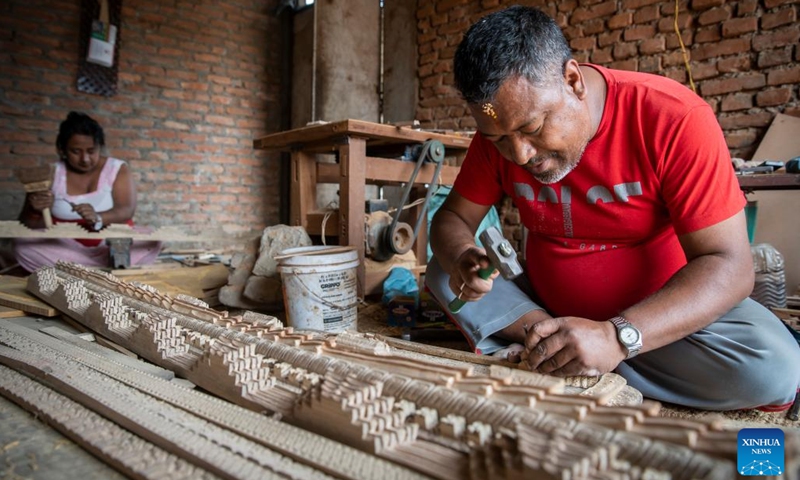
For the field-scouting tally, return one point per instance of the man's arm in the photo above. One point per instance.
(452, 240)
(719, 274)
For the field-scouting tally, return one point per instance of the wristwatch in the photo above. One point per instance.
(629, 336)
(98, 222)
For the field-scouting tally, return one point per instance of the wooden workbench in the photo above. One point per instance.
(356, 142)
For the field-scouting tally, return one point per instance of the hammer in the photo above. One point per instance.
(501, 256)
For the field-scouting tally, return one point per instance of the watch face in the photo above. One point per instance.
(628, 335)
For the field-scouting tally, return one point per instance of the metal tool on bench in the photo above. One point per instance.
(119, 252)
(386, 235)
(501, 256)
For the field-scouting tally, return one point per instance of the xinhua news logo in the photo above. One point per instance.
(760, 451)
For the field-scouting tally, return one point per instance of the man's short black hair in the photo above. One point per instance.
(516, 41)
(79, 124)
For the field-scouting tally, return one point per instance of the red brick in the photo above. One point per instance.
(749, 81)
(739, 63)
(740, 138)
(620, 20)
(702, 71)
(784, 76)
(652, 45)
(630, 65)
(775, 3)
(733, 122)
(581, 14)
(650, 64)
(571, 33)
(779, 18)
(668, 24)
(581, 57)
(609, 38)
(585, 43)
(673, 43)
(602, 57)
(567, 6)
(737, 101)
(673, 58)
(646, 14)
(774, 97)
(777, 38)
(793, 111)
(746, 7)
(706, 4)
(708, 34)
(715, 15)
(594, 27)
(639, 33)
(725, 47)
(625, 50)
(739, 26)
(770, 58)
(634, 4)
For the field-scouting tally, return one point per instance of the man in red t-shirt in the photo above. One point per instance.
(637, 257)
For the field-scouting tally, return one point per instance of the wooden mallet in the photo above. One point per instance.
(37, 179)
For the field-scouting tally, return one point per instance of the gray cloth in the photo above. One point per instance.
(745, 359)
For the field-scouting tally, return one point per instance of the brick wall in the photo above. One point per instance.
(198, 81)
(744, 54)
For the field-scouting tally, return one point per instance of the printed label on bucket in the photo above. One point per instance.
(320, 289)
(339, 289)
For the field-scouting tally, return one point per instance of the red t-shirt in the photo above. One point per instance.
(605, 236)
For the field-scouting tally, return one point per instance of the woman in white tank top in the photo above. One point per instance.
(89, 189)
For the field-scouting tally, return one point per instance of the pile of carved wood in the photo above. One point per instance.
(309, 406)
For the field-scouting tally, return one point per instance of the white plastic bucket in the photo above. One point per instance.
(319, 288)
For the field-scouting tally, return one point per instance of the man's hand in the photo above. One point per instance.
(465, 282)
(41, 200)
(567, 346)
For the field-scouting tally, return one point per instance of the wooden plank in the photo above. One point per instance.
(290, 139)
(13, 294)
(13, 229)
(769, 181)
(352, 161)
(116, 446)
(303, 187)
(193, 279)
(108, 353)
(389, 171)
(8, 312)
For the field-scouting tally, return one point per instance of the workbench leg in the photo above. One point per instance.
(352, 179)
(421, 243)
(303, 188)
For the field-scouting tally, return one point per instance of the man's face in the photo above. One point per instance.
(544, 129)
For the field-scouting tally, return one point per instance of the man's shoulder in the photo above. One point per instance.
(650, 88)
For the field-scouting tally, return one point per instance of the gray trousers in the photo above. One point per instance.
(745, 359)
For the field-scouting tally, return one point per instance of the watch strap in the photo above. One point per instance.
(621, 323)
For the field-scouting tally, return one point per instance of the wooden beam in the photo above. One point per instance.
(286, 141)
(390, 171)
(13, 294)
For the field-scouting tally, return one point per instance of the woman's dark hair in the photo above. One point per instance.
(517, 41)
(79, 124)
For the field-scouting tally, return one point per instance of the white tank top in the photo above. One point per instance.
(101, 199)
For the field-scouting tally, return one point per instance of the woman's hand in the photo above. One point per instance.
(39, 201)
(86, 212)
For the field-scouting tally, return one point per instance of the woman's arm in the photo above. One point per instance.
(35, 202)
